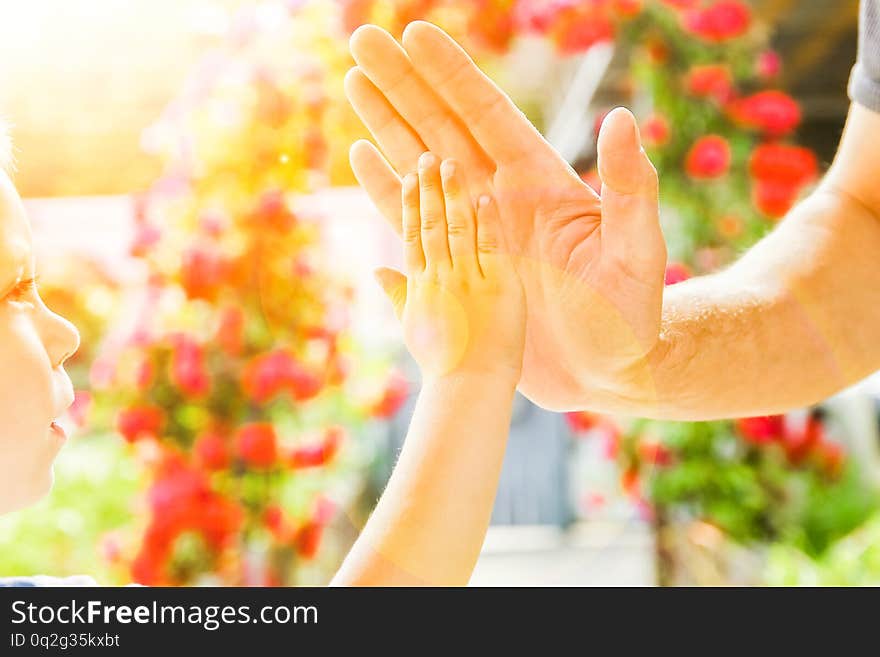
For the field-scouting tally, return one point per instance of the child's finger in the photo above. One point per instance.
(490, 240)
(413, 255)
(433, 212)
(394, 285)
(461, 224)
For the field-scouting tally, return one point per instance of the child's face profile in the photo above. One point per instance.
(34, 343)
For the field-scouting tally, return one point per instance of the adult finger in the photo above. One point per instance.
(630, 196)
(395, 137)
(379, 180)
(498, 126)
(389, 68)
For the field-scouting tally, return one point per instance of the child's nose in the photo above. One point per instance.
(61, 338)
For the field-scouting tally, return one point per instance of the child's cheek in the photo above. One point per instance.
(437, 329)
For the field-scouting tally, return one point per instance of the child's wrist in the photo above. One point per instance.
(500, 378)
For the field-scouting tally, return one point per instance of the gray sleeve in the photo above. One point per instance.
(864, 82)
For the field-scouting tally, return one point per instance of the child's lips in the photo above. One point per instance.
(58, 430)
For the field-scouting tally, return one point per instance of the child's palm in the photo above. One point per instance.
(463, 309)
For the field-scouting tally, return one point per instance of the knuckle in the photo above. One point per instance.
(431, 220)
(487, 244)
(429, 185)
(411, 235)
(457, 227)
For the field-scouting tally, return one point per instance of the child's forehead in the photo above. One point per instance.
(15, 233)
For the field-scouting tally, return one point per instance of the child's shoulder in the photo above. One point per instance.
(45, 580)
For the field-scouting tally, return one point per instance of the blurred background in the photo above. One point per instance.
(242, 386)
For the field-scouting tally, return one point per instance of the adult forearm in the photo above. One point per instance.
(795, 320)
(430, 523)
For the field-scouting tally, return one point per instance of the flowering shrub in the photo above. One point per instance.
(720, 137)
(240, 386)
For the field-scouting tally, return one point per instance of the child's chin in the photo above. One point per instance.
(37, 490)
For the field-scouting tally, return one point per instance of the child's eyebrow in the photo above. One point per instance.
(13, 265)
(5, 149)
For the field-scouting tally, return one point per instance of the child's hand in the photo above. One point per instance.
(461, 303)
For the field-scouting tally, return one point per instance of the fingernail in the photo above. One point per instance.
(426, 160)
(484, 201)
(410, 182)
(447, 169)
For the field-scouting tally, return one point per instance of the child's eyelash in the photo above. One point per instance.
(23, 288)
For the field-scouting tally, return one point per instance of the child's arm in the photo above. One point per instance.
(463, 314)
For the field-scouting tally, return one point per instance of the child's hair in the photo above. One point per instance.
(6, 160)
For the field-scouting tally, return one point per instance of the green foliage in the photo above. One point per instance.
(96, 484)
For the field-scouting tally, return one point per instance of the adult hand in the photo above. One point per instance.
(592, 267)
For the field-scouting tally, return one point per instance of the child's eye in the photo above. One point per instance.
(23, 289)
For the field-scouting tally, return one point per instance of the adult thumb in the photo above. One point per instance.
(394, 285)
(630, 191)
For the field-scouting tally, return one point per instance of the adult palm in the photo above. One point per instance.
(592, 267)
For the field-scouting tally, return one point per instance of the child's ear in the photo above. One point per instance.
(394, 285)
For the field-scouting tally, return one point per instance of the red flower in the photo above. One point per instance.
(580, 421)
(230, 333)
(773, 198)
(709, 157)
(82, 404)
(257, 444)
(779, 171)
(202, 272)
(768, 65)
(573, 25)
(211, 451)
(729, 226)
(799, 442)
(793, 165)
(536, 17)
(723, 20)
(680, 4)
(580, 33)
(831, 457)
(303, 384)
(148, 567)
(187, 368)
(710, 81)
(145, 238)
(308, 536)
(272, 211)
(761, 430)
(629, 481)
(140, 422)
(676, 272)
(492, 24)
(219, 520)
(772, 112)
(355, 13)
(626, 8)
(655, 130)
(269, 374)
(395, 394)
(273, 517)
(654, 452)
(318, 454)
(658, 51)
(144, 375)
(308, 539)
(610, 439)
